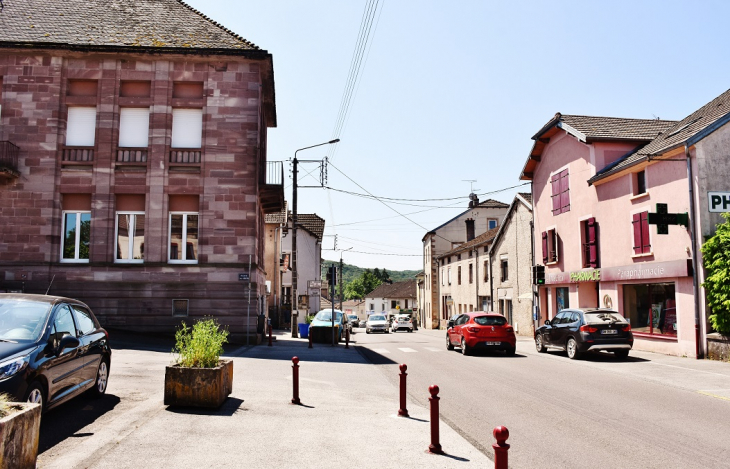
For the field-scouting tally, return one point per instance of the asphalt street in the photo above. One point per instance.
(649, 411)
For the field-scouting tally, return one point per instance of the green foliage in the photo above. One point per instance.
(716, 254)
(200, 346)
(308, 318)
(358, 281)
(362, 285)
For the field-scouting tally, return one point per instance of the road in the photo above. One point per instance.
(649, 411)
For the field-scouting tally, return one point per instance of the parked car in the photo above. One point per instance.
(402, 322)
(354, 320)
(586, 330)
(51, 349)
(321, 327)
(481, 330)
(377, 323)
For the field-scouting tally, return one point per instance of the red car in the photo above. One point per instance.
(480, 331)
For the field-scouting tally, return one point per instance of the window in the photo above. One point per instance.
(549, 246)
(129, 240)
(458, 275)
(180, 307)
(63, 325)
(76, 236)
(372, 306)
(81, 127)
(505, 269)
(134, 125)
(640, 186)
(492, 223)
(469, 229)
(83, 319)
(562, 298)
(560, 192)
(640, 224)
(443, 278)
(589, 242)
(183, 238)
(393, 304)
(486, 271)
(471, 273)
(187, 128)
(449, 275)
(651, 308)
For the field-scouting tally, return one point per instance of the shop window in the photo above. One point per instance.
(134, 125)
(560, 188)
(81, 127)
(187, 128)
(640, 224)
(589, 242)
(562, 298)
(651, 308)
(549, 246)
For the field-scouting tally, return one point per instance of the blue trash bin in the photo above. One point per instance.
(304, 331)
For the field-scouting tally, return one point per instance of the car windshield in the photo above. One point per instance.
(326, 315)
(490, 320)
(403, 318)
(604, 317)
(352, 316)
(22, 320)
(376, 317)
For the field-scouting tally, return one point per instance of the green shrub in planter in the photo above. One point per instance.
(309, 318)
(200, 346)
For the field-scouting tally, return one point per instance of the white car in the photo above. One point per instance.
(377, 323)
(402, 322)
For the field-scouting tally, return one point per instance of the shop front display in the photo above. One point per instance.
(651, 308)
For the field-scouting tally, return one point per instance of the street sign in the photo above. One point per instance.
(663, 219)
(718, 201)
(243, 277)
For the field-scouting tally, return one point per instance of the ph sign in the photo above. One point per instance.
(719, 201)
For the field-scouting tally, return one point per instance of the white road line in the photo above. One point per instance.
(407, 350)
(434, 349)
(380, 350)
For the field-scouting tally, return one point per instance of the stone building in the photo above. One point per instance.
(137, 134)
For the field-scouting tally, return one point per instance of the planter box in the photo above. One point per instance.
(19, 434)
(198, 387)
(718, 347)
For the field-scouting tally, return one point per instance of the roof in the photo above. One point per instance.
(277, 217)
(527, 196)
(484, 238)
(95, 24)
(589, 129)
(312, 223)
(404, 289)
(685, 131)
(489, 203)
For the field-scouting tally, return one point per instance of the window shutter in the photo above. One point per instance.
(134, 125)
(564, 192)
(187, 128)
(592, 243)
(544, 247)
(81, 126)
(645, 246)
(555, 186)
(636, 221)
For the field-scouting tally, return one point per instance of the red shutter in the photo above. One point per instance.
(636, 221)
(592, 243)
(544, 248)
(555, 186)
(645, 246)
(564, 192)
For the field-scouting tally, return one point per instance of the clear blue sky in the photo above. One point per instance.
(452, 91)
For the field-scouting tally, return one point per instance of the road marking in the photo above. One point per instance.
(714, 395)
(433, 349)
(380, 350)
(407, 350)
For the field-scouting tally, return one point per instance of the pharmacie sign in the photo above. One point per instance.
(718, 201)
(642, 271)
(592, 275)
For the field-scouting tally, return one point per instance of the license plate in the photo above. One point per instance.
(609, 331)
(494, 343)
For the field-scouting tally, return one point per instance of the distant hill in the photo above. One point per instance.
(352, 271)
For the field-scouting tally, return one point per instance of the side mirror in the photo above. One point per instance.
(450, 324)
(67, 341)
(547, 322)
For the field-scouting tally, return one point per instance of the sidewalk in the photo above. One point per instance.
(347, 418)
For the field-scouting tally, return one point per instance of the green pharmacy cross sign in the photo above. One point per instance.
(662, 219)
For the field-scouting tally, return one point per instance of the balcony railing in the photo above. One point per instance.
(131, 155)
(275, 173)
(272, 191)
(9, 157)
(77, 154)
(185, 155)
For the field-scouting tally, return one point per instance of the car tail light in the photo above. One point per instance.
(473, 330)
(626, 328)
(509, 330)
(588, 328)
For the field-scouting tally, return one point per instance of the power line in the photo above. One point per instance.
(368, 196)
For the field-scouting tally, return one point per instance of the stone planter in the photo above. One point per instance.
(19, 433)
(718, 347)
(198, 387)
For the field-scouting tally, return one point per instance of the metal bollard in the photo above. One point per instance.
(310, 339)
(270, 332)
(500, 448)
(347, 338)
(295, 376)
(403, 412)
(435, 446)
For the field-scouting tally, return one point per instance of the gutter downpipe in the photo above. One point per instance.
(699, 353)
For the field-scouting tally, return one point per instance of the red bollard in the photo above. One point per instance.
(270, 335)
(403, 412)
(295, 376)
(500, 448)
(310, 340)
(347, 338)
(435, 446)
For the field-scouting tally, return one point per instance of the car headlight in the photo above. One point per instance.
(11, 367)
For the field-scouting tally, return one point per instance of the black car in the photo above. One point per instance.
(51, 349)
(586, 330)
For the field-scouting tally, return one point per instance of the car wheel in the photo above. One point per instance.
(367, 331)
(621, 354)
(387, 331)
(102, 379)
(449, 345)
(464, 348)
(572, 349)
(510, 352)
(36, 394)
(410, 330)
(539, 345)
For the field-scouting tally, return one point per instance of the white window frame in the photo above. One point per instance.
(184, 237)
(78, 124)
(188, 132)
(132, 228)
(78, 213)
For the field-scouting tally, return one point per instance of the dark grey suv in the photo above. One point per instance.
(51, 349)
(586, 330)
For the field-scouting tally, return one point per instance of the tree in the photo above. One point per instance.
(362, 285)
(716, 254)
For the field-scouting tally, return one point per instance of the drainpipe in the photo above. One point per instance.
(692, 235)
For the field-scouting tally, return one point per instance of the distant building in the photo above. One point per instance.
(309, 260)
(393, 298)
